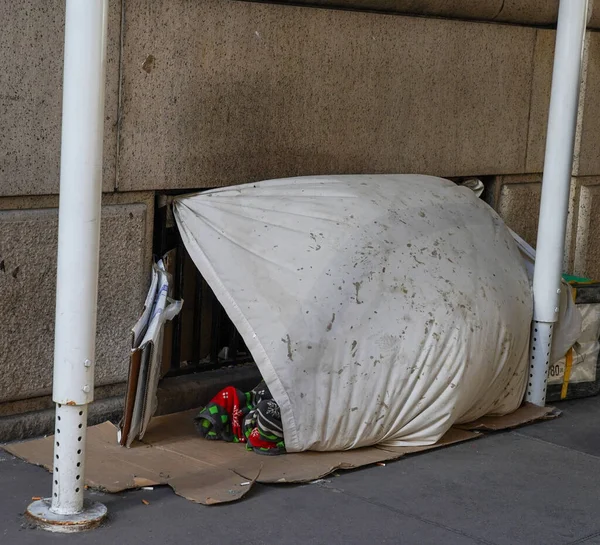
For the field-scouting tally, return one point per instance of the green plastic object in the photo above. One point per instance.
(576, 279)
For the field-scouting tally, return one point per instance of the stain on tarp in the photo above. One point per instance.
(317, 245)
(288, 341)
(357, 286)
(330, 324)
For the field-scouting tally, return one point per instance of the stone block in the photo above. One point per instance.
(586, 153)
(587, 149)
(518, 206)
(517, 200)
(31, 53)
(28, 245)
(218, 92)
(587, 252)
(540, 99)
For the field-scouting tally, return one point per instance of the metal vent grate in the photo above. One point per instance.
(202, 337)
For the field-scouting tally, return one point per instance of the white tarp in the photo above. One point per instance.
(379, 309)
(569, 324)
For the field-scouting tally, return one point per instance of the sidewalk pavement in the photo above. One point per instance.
(536, 485)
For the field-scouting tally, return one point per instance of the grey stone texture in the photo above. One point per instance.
(587, 148)
(31, 56)
(35, 405)
(519, 205)
(587, 153)
(541, 74)
(460, 9)
(587, 235)
(238, 91)
(517, 200)
(28, 245)
(218, 92)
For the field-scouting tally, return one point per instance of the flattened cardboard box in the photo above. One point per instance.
(212, 472)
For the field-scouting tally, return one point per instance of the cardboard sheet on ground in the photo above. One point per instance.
(212, 472)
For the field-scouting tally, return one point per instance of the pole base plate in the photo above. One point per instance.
(91, 517)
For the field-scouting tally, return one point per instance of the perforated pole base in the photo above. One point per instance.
(541, 343)
(67, 510)
(40, 513)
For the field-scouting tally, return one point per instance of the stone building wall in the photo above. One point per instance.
(207, 93)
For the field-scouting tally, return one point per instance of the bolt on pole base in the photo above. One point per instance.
(40, 513)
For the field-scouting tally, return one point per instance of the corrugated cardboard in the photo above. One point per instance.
(147, 350)
(212, 472)
(132, 384)
(527, 414)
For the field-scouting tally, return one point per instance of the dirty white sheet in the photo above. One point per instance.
(569, 324)
(379, 309)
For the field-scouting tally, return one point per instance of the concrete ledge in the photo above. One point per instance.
(42, 403)
(196, 390)
(174, 395)
(37, 423)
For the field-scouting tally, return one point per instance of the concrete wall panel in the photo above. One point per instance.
(218, 92)
(28, 244)
(588, 149)
(587, 253)
(31, 56)
(519, 207)
(517, 200)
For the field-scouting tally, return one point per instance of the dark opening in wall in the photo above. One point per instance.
(201, 337)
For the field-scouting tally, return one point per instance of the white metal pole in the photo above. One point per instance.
(77, 269)
(558, 164)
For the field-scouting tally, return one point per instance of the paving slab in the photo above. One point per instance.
(577, 429)
(301, 515)
(504, 489)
